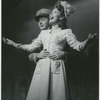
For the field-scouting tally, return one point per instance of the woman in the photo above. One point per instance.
(49, 81)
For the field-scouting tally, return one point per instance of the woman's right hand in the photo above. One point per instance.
(7, 41)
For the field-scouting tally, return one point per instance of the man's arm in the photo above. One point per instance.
(36, 56)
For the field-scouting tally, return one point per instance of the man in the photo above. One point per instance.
(42, 17)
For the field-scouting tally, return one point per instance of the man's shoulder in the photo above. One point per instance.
(45, 32)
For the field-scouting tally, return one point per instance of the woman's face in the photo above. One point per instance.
(54, 16)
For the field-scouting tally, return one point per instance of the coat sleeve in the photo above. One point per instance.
(36, 44)
(73, 42)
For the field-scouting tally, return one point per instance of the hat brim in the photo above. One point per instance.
(42, 15)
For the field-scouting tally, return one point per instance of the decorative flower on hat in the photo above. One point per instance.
(68, 8)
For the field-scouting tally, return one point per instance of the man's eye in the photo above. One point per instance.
(43, 19)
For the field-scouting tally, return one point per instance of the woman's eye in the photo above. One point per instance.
(56, 11)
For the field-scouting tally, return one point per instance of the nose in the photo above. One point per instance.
(40, 22)
(51, 14)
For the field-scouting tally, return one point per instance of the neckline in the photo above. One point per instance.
(56, 31)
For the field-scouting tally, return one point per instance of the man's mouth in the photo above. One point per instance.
(41, 25)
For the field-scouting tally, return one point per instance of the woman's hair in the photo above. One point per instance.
(59, 7)
(66, 11)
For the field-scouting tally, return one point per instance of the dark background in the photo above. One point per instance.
(18, 24)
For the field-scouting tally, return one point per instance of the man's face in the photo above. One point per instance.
(43, 23)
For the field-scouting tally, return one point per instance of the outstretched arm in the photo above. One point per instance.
(10, 42)
(89, 40)
(27, 47)
(75, 44)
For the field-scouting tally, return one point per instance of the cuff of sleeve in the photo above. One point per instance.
(35, 59)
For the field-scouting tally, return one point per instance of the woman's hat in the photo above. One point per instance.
(67, 7)
(42, 13)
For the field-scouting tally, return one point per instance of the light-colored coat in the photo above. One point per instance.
(49, 80)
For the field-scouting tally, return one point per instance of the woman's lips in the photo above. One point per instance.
(51, 18)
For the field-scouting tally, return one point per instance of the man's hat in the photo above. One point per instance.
(42, 13)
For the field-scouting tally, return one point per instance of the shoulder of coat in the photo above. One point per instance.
(67, 30)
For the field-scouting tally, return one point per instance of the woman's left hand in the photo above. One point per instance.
(91, 37)
(57, 55)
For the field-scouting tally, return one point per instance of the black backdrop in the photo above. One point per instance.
(19, 25)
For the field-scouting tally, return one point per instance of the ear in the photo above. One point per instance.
(61, 18)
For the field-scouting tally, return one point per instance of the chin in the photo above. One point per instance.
(42, 28)
(51, 22)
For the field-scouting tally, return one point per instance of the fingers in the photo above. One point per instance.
(43, 54)
(31, 54)
(4, 39)
(57, 55)
(45, 51)
(92, 36)
(89, 36)
(30, 57)
(54, 57)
